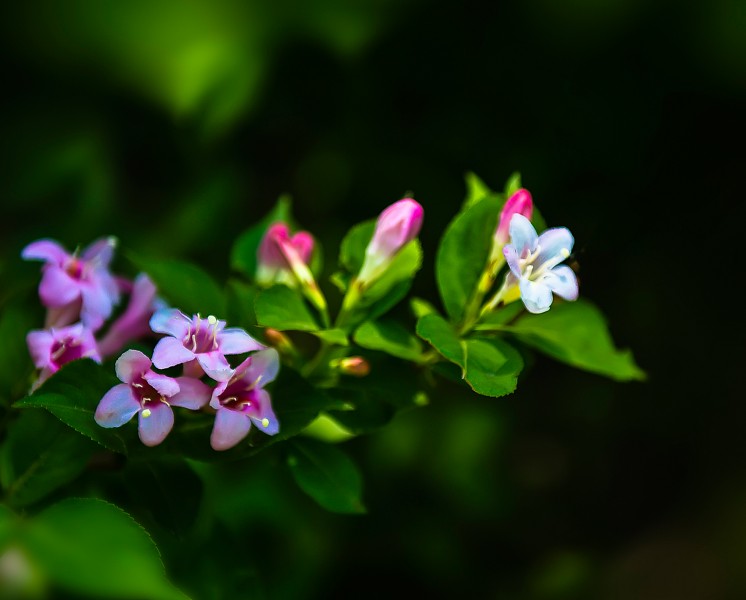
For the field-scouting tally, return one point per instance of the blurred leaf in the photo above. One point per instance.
(390, 337)
(328, 475)
(7, 525)
(246, 246)
(363, 412)
(421, 307)
(184, 286)
(490, 367)
(352, 248)
(328, 430)
(91, 547)
(496, 320)
(463, 254)
(476, 190)
(282, 308)
(333, 336)
(40, 455)
(168, 489)
(576, 333)
(240, 298)
(15, 363)
(72, 395)
(513, 184)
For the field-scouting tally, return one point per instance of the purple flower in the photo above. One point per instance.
(278, 252)
(242, 400)
(205, 340)
(519, 203)
(398, 225)
(133, 323)
(52, 348)
(151, 395)
(72, 283)
(534, 260)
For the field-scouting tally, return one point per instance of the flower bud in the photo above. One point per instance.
(398, 225)
(277, 252)
(279, 340)
(356, 366)
(519, 203)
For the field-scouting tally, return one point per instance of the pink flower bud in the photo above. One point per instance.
(398, 225)
(519, 203)
(356, 366)
(278, 250)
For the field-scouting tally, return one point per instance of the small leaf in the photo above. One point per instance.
(421, 307)
(576, 333)
(513, 184)
(91, 547)
(282, 308)
(333, 336)
(435, 330)
(328, 475)
(39, 456)
(390, 337)
(463, 254)
(244, 253)
(72, 395)
(496, 320)
(476, 190)
(352, 248)
(184, 286)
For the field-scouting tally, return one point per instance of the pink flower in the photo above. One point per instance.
(519, 203)
(278, 252)
(52, 348)
(398, 225)
(149, 394)
(75, 286)
(241, 401)
(205, 340)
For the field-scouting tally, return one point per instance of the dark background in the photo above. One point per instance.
(176, 125)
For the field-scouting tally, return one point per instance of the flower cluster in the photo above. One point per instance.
(200, 345)
(80, 294)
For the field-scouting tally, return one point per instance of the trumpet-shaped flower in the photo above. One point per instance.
(52, 348)
(242, 400)
(149, 394)
(205, 340)
(277, 253)
(533, 260)
(397, 225)
(73, 285)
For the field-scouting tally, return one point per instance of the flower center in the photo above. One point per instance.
(66, 350)
(202, 335)
(241, 396)
(75, 268)
(146, 395)
(532, 271)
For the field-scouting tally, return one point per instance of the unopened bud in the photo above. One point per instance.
(356, 366)
(519, 203)
(278, 340)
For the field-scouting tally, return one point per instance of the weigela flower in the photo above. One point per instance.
(205, 340)
(534, 260)
(75, 286)
(398, 225)
(520, 203)
(242, 400)
(52, 348)
(134, 322)
(277, 253)
(149, 394)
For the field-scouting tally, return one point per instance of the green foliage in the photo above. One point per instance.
(283, 309)
(38, 456)
(72, 395)
(240, 298)
(91, 547)
(244, 252)
(362, 410)
(390, 337)
(15, 363)
(184, 286)
(476, 190)
(326, 474)
(463, 254)
(576, 333)
(513, 184)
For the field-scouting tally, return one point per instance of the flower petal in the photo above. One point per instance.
(154, 428)
(511, 257)
(40, 344)
(522, 234)
(169, 352)
(97, 305)
(535, 295)
(170, 321)
(57, 288)
(215, 365)
(117, 407)
(266, 421)
(163, 384)
(264, 367)
(100, 252)
(131, 365)
(46, 250)
(236, 341)
(193, 394)
(562, 281)
(556, 245)
(229, 429)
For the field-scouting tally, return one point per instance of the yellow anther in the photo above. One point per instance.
(146, 413)
(265, 422)
(564, 252)
(212, 320)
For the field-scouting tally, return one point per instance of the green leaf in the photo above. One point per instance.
(496, 320)
(333, 336)
(352, 248)
(328, 475)
(490, 367)
(240, 298)
(282, 308)
(390, 337)
(89, 546)
(168, 489)
(72, 395)
(40, 455)
(244, 253)
(421, 307)
(463, 254)
(8, 522)
(15, 363)
(184, 286)
(476, 190)
(576, 333)
(513, 184)
(363, 412)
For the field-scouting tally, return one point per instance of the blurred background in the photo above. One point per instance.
(175, 125)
